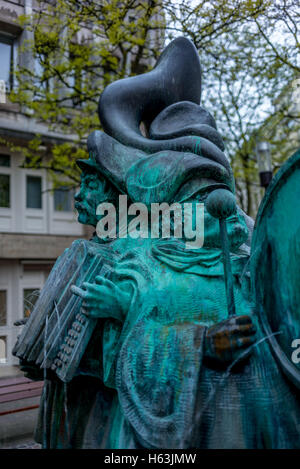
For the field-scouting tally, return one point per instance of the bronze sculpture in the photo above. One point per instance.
(144, 353)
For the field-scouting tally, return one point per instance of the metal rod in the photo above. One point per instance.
(227, 268)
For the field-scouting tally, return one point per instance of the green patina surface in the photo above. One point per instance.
(156, 362)
(158, 388)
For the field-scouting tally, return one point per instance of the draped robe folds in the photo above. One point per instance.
(154, 388)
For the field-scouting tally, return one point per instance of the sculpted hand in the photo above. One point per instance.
(227, 340)
(103, 299)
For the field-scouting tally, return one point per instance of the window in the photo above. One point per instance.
(4, 190)
(30, 296)
(77, 76)
(3, 308)
(63, 199)
(3, 350)
(5, 160)
(45, 46)
(6, 54)
(34, 192)
(41, 81)
(75, 82)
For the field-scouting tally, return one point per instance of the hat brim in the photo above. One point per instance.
(88, 165)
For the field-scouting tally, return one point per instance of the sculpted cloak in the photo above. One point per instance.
(155, 389)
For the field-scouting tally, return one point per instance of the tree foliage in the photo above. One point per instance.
(249, 51)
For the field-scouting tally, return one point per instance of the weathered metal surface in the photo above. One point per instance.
(275, 267)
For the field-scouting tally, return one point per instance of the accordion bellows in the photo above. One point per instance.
(57, 332)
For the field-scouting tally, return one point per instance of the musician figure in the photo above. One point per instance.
(165, 366)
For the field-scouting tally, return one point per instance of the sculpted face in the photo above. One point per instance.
(94, 190)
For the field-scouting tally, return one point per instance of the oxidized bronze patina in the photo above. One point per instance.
(147, 343)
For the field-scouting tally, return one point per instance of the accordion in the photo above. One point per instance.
(57, 332)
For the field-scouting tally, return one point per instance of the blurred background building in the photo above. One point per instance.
(36, 223)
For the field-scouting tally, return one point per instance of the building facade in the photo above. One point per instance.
(36, 223)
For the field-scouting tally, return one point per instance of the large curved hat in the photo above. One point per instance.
(182, 140)
(167, 100)
(158, 177)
